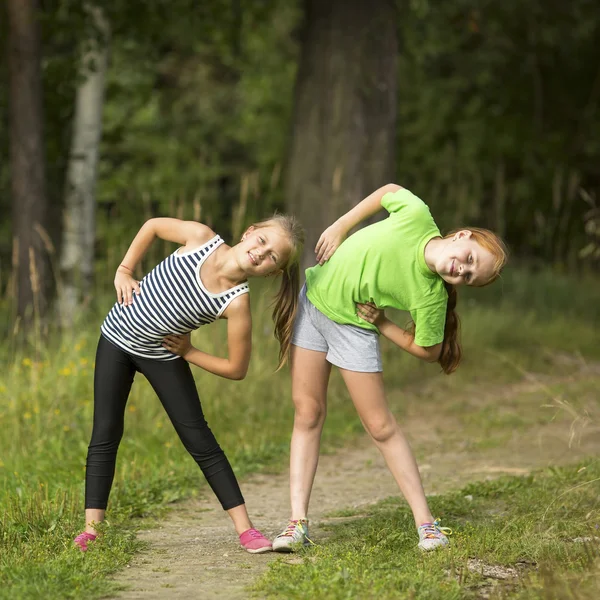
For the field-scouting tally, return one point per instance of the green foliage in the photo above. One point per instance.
(188, 119)
(498, 122)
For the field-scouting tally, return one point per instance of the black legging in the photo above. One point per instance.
(173, 382)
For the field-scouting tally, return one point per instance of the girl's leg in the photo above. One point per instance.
(310, 377)
(113, 376)
(175, 386)
(368, 394)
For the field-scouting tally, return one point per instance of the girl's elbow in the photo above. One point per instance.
(238, 374)
(434, 353)
(431, 354)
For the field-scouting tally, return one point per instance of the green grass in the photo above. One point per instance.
(528, 524)
(46, 415)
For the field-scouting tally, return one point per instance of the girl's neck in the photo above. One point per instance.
(225, 268)
(432, 251)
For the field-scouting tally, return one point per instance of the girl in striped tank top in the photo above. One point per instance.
(148, 331)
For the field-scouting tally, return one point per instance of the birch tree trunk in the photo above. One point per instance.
(344, 123)
(79, 216)
(27, 161)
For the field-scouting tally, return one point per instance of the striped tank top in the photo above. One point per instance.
(173, 299)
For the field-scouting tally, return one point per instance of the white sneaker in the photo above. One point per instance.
(432, 536)
(293, 536)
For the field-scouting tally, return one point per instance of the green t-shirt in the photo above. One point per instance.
(385, 263)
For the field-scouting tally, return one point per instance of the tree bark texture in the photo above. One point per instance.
(345, 113)
(27, 160)
(79, 213)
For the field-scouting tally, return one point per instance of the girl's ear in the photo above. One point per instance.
(463, 234)
(251, 228)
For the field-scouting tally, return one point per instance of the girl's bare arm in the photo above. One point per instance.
(396, 334)
(186, 233)
(335, 234)
(239, 342)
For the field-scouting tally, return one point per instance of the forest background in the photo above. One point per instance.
(229, 109)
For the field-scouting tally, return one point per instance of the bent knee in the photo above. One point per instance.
(310, 413)
(382, 430)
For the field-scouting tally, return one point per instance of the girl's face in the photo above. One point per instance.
(464, 262)
(263, 251)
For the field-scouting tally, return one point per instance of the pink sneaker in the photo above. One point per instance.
(82, 540)
(255, 542)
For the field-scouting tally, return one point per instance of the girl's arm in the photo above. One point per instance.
(239, 343)
(186, 233)
(396, 334)
(335, 234)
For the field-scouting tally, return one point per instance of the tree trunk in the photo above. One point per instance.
(27, 162)
(344, 123)
(79, 222)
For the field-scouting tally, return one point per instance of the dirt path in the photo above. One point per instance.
(194, 553)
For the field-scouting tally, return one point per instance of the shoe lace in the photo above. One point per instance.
(433, 530)
(289, 530)
(255, 534)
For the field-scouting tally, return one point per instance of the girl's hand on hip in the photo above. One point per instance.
(331, 239)
(178, 344)
(126, 286)
(370, 313)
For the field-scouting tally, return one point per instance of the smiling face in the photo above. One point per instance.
(263, 250)
(464, 262)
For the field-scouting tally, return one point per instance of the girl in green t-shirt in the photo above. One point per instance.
(402, 262)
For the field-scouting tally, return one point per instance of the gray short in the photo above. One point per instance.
(347, 346)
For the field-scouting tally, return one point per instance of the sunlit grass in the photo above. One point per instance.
(522, 537)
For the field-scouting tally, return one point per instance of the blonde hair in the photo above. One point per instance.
(451, 353)
(285, 303)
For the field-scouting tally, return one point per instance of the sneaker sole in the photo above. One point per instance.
(291, 548)
(434, 548)
(259, 550)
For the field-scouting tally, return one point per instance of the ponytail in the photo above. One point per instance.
(284, 311)
(451, 351)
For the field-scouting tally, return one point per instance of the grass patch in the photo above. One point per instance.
(513, 537)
